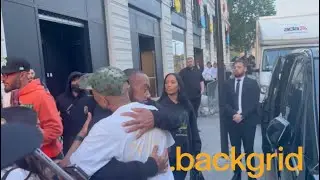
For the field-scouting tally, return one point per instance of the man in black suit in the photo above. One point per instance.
(241, 102)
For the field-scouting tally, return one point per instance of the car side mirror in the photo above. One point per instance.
(278, 132)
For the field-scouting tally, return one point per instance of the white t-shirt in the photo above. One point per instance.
(108, 139)
(17, 174)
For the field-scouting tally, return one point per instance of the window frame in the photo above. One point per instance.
(284, 99)
(310, 98)
(196, 12)
(183, 7)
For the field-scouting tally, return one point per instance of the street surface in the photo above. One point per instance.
(210, 135)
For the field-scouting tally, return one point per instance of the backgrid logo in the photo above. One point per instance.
(205, 163)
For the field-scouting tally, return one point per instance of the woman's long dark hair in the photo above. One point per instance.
(182, 95)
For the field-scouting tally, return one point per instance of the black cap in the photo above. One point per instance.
(15, 64)
(18, 141)
(19, 114)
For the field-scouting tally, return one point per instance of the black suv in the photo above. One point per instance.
(290, 113)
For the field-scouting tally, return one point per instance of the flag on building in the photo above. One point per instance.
(211, 27)
(177, 5)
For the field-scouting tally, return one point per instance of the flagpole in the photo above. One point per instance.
(221, 79)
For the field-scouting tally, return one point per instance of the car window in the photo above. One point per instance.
(293, 94)
(292, 102)
(270, 56)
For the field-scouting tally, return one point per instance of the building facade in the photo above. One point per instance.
(155, 36)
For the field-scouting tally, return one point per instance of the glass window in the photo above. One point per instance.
(270, 56)
(196, 12)
(292, 99)
(178, 48)
(178, 51)
(179, 6)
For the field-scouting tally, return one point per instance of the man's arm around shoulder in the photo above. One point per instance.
(163, 120)
(127, 170)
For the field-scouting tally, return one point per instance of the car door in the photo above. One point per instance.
(291, 108)
(310, 129)
(268, 103)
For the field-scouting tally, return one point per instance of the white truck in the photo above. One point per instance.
(277, 36)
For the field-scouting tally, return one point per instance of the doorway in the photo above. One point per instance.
(148, 61)
(198, 57)
(65, 49)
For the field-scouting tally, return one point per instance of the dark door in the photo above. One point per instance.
(198, 57)
(63, 52)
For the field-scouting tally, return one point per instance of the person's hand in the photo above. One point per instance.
(237, 118)
(143, 121)
(162, 161)
(202, 91)
(84, 131)
(64, 162)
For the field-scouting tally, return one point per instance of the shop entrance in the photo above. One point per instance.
(65, 49)
(198, 57)
(148, 61)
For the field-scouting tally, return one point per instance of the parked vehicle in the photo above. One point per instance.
(277, 36)
(290, 116)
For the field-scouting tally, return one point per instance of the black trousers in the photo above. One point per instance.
(196, 104)
(245, 133)
(179, 175)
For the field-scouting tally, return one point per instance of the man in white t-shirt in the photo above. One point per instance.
(108, 138)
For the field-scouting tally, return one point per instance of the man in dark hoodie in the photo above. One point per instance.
(65, 103)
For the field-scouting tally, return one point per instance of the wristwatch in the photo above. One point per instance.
(79, 138)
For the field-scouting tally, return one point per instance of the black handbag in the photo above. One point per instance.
(196, 175)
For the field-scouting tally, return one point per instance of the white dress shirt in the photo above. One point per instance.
(214, 72)
(209, 73)
(240, 92)
(108, 139)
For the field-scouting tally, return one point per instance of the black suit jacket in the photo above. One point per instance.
(250, 100)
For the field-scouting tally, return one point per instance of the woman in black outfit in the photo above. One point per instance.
(187, 136)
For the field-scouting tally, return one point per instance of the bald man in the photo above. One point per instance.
(139, 87)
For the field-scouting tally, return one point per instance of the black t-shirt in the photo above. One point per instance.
(191, 78)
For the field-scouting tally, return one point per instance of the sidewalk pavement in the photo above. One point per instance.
(210, 135)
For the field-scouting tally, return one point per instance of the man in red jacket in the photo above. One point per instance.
(32, 94)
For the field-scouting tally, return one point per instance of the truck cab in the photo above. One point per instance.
(278, 36)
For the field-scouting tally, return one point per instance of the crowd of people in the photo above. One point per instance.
(106, 126)
(112, 109)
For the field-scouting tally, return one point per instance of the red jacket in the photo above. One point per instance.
(34, 95)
